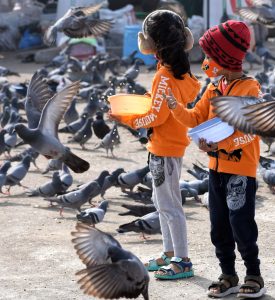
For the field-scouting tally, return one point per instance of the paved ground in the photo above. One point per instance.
(37, 258)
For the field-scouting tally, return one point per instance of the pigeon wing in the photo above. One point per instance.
(111, 281)
(233, 109)
(88, 10)
(92, 244)
(88, 27)
(55, 108)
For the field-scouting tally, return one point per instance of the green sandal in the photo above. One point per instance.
(153, 266)
(170, 274)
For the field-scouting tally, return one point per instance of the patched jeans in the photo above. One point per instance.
(166, 173)
(232, 216)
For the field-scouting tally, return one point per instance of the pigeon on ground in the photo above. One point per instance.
(130, 179)
(111, 272)
(110, 140)
(147, 180)
(93, 215)
(29, 151)
(269, 178)
(10, 140)
(71, 114)
(78, 22)
(66, 178)
(75, 199)
(17, 173)
(2, 141)
(247, 114)
(99, 126)
(44, 138)
(132, 73)
(6, 72)
(148, 224)
(201, 186)
(137, 210)
(74, 126)
(53, 165)
(3, 174)
(268, 141)
(198, 172)
(267, 163)
(111, 180)
(48, 189)
(83, 134)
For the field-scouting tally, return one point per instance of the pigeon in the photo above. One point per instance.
(262, 14)
(48, 189)
(111, 272)
(137, 210)
(74, 126)
(83, 134)
(2, 141)
(66, 178)
(75, 199)
(53, 165)
(111, 180)
(269, 178)
(252, 59)
(148, 224)
(130, 179)
(3, 174)
(201, 186)
(147, 180)
(268, 141)
(267, 163)
(132, 73)
(17, 173)
(78, 22)
(10, 140)
(44, 138)
(247, 114)
(6, 72)
(110, 140)
(99, 126)
(71, 114)
(127, 61)
(198, 172)
(93, 215)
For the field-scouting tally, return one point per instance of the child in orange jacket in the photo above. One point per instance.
(165, 35)
(233, 161)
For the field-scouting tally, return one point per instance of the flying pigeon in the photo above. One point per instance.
(111, 272)
(247, 114)
(78, 22)
(44, 138)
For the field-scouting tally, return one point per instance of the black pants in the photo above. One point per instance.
(232, 212)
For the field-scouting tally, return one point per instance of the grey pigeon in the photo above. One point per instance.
(247, 114)
(111, 272)
(78, 22)
(269, 178)
(110, 140)
(129, 180)
(148, 224)
(71, 113)
(201, 186)
(111, 180)
(268, 141)
(29, 151)
(44, 138)
(3, 174)
(53, 165)
(267, 163)
(6, 72)
(83, 134)
(147, 180)
(198, 172)
(93, 215)
(132, 73)
(74, 126)
(17, 173)
(10, 140)
(2, 141)
(75, 199)
(66, 178)
(48, 189)
(137, 210)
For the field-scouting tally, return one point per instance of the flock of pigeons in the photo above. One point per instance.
(30, 118)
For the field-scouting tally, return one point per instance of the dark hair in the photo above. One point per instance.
(166, 29)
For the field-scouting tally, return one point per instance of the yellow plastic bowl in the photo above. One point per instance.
(129, 104)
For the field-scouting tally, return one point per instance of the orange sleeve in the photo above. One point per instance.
(238, 139)
(159, 112)
(195, 116)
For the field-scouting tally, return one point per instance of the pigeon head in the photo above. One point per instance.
(27, 161)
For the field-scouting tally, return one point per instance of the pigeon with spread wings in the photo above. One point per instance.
(44, 138)
(247, 114)
(111, 272)
(78, 22)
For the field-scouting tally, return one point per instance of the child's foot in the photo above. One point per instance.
(252, 288)
(177, 269)
(156, 263)
(227, 284)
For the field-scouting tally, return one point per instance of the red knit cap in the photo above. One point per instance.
(227, 44)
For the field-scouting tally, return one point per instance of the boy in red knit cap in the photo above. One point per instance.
(233, 161)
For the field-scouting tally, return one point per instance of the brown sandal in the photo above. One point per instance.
(224, 290)
(257, 289)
